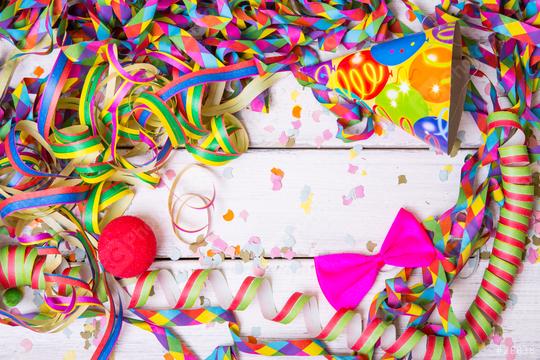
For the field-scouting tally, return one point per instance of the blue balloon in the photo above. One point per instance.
(432, 130)
(399, 50)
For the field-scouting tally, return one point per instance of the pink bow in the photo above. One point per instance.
(346, 278)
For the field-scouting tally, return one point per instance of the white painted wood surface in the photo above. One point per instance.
(390, 171)
(520, 320)
(287, 217)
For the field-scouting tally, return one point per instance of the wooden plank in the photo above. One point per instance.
(315, 127)
(331, 200)
(519, 325)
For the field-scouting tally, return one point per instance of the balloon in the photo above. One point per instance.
(399, 101)
(432, 130)
(430, 73)
(359, 76)
(399, 50)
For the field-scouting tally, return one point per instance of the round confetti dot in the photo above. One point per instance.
(12, 297)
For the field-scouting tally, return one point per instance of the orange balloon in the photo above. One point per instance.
(430, 73)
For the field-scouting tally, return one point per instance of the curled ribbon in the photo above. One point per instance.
(55, 166)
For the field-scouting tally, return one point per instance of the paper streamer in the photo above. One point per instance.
(114, 106)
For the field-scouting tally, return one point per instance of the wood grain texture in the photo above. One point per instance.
(381, 181)
(316, 127)
(519, 323)
(355, 191)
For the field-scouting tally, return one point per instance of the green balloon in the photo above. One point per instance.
(12, 297)
(401, 100)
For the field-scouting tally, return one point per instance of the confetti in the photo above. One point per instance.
(290, 142)
(269, 128)
(297, 111)
(353, 153)
(532, 255)
(352, 169)
(370, 246)
(26, 344)
(175, 253)
(283, 138)
(38, 71)
(327, 135)
(289, 254)
(306, 198)
(232, 251)
(181, 276)
(244, 214)
(402, 179)
(217, 242)
(70, 355)
(229, 215)
(256, 331)
(289, 239)
(379, 130)
(347, 200)
(350, 240)
(275, 252)
(443, 175)
(295, 265)
(294, 94)
(255, 240)
(170, 174)
(359, 192)
(316, 115)
(319, 141)
(512, 300)
(276, 177)
(356, 193)
(228, 173)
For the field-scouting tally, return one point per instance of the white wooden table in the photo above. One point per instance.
(334, 197)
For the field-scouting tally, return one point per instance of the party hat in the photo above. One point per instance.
(417, 81)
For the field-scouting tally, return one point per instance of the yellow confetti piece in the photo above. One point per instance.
(306, 205)
(70, 355)
(294, 95)
(448, 168)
